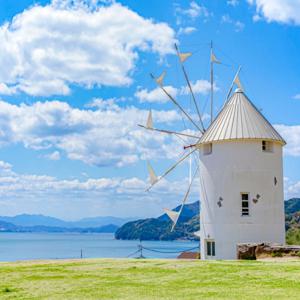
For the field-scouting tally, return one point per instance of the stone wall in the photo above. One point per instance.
(266, 250)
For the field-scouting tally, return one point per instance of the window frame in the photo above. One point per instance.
(245, 210)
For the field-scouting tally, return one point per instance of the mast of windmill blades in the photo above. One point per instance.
(182, 58)
(174, 215)
(149, 126)
(169, 170)
(159, 82)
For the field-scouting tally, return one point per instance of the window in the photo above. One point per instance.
(207, 149)
(210, 248)
(245, 204)
(267, 146)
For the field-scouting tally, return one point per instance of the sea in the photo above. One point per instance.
(32, 246)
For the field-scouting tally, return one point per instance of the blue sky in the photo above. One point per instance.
(74, 83)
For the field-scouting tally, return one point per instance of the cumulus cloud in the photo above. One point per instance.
(45, 49)
(105, 134)
(191, 13)
(194, 10)
(186, 30)
(199, 87)
(287, 11)
(53, 156)
(292, 136)
(156, 95)
(89, 197)
(291, 188)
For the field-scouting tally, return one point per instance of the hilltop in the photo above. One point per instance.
(188, 223)
(160, 228)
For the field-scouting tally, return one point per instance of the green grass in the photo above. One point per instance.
(149, 279)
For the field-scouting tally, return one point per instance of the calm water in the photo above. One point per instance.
(23, 246)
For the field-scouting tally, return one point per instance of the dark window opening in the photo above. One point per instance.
(207, 149)
(210, 248)
(245, 204)
(267, 146)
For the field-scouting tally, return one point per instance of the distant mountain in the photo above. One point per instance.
(5, 226)
(9, 227)
(160, 228)
(41, 220)
(34, 220)
(99, 221)
(292, 205)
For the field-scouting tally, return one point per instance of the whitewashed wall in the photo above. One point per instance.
(232, 168)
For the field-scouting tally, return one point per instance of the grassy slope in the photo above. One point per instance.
(149, 279)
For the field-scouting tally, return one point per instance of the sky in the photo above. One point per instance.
(74, 84)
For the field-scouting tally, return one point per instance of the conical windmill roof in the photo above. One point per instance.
(239, 120)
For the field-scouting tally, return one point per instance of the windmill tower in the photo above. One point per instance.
(239, 158)
(241, 180)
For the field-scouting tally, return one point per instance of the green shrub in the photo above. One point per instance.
(293, 236)
(276, 254)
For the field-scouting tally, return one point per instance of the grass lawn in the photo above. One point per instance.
(149, 279)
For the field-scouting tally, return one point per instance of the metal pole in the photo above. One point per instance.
(211, 84)
(177, 104)
(190, 87)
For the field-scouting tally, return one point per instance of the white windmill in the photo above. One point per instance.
(241, 174)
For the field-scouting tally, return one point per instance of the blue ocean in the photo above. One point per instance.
(28, 246)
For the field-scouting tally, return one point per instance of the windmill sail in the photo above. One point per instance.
(184, 56)
(237, 81)
(169, 170)
(149, 124)
(197, 233)
(153, 177)
(173, 215)
(161, 78)
(213, 58)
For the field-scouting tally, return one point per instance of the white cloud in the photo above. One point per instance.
(5, 90)
(291, 188)
(156, 95)
(102, 135)
(194, 10)
(292, 136)
(186, 30)
(80, 4)
(45, 49)
(297, 97)
(89, 197)
(191, 13)
(233, 2)
(239, 26)
(53, 156)
(282, 11)
(199, 87)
